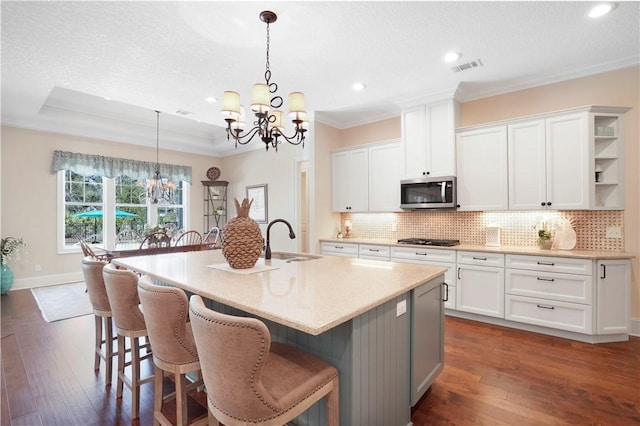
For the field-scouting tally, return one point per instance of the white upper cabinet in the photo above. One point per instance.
(549, 163)
(482, 169)
(350, 180)
(567, 145)
(385, 172)
(428, 139)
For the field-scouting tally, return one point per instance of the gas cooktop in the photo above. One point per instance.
(429, 242)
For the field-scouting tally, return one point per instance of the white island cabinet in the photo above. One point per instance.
(349, 312)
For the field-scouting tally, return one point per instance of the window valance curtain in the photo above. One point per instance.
(87, 164)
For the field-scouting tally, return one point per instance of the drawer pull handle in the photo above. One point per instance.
(546, 263)
(338, 247)
(421, 254)
(374, 250)
(545, 307)
(479, 258)
(446, 292)
(545, 279)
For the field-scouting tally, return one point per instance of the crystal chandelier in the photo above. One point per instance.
(159, 190)
(269, 122)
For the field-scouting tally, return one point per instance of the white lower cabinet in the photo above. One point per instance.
(480, 288)
(432, 257)
(613, 312)
(339, 249)
(550, 291)
(373, 252)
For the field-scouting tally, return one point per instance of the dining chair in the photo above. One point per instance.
(103, 317)
(122, 289)
(212, 237)
(166, 312)
(156, 239)
(189, 238)
(88, 251)
(252, 380)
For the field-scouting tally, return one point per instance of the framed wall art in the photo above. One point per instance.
(259, 207)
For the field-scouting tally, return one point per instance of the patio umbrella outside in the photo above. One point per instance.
(95, 214)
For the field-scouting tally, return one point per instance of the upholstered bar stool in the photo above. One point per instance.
(251, 380)
(166, 310)
(92, 271)
(122, 288)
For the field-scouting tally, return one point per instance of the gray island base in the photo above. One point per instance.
(379, 323)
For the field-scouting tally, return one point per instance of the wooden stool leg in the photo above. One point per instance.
(108, 343)
(158, 391)
(98, 345)
(181, 399)
(121, 355)
(333, 403)
(135, 378)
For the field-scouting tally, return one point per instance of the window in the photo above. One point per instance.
(85, 198)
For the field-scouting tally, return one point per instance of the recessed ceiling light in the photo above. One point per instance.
(210, 99)
(601, 10)
(452, 56)
(359, 86)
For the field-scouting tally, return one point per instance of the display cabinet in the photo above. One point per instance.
(215, 204)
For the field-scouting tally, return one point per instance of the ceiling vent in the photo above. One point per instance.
(468, 65)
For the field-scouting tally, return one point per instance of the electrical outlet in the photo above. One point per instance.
(401, 308)
(614, 232)
(38, 268)
(394, 227)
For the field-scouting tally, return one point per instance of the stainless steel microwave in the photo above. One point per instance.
(428, 193)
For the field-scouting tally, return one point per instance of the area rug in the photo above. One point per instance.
(60, 302)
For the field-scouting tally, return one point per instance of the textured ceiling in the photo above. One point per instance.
(60, 60)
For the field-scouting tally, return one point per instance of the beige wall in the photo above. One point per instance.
(28, 191)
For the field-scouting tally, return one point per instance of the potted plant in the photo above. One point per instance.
(544, 236)
(10, 248)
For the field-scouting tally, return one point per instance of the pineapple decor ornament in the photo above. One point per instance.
(242, 244)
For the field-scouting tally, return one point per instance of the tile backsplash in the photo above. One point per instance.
(516, 228)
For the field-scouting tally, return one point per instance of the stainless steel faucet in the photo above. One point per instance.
(267, 249)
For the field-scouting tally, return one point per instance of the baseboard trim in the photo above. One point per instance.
(635, 327)
(46, 280)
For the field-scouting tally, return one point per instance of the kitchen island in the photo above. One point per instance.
(379, 323)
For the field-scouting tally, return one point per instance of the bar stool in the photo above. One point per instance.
(103, 318)
(251, 380)
(122, 288)
(166, 310)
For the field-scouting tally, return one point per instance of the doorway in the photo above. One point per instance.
(302, 201)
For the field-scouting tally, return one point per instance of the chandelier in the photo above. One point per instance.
(269, 121)
(159, 190)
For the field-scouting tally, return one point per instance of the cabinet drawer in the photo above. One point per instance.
(549, 285)
(373, 252)
(550, 264)
(339, 249)
(432, 255)
(560, 315)
(479, 258)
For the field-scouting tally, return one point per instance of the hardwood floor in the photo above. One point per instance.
(492, 376)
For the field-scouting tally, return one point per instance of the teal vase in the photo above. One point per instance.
(6, 278)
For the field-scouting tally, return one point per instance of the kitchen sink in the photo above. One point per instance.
(292, 257)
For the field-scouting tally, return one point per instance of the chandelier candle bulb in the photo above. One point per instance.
(260, 99)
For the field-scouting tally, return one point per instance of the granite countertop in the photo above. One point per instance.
(532, 251)
(311, 296)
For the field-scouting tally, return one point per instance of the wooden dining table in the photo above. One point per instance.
(134, 249)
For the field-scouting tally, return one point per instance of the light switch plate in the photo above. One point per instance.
(614, 232)
(401, 308)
